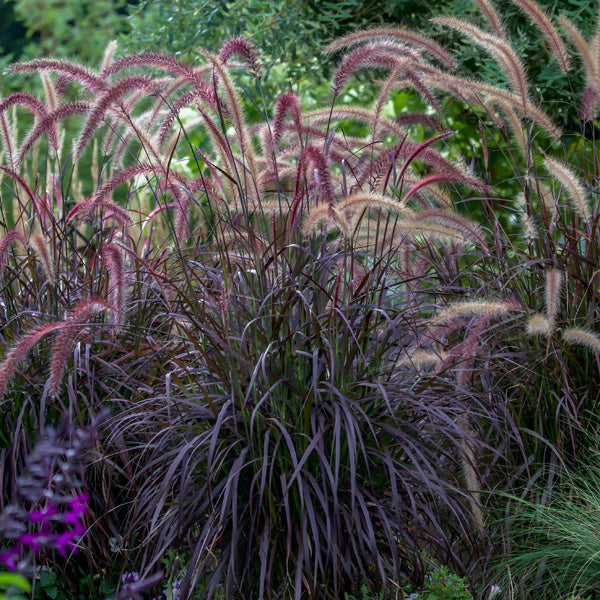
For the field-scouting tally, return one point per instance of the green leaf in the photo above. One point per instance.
(14, 580)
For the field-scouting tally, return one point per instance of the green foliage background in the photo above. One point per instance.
(290, 33)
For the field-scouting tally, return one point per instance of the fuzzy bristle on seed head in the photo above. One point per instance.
(538, 325)
(397, 34)
(41, 247)
(6, 241)
(18, 353)
(492, 17)
(245, 50)
(554, 279)
(69, 330)
(548, 30)
(499, 49)
(421, 359)
(571, 185)
(464, 310)
(581, 337)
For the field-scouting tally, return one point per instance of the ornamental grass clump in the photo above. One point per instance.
(317, 358)
(240, 292)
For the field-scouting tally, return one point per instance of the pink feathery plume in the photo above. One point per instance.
(69, 70)
(69, 331)
(168, 63)
(86, 209)
(377, 54)
(445, 178)
(590, 100)
(7, 140)
(317, 158)
(113, 258)
(6, 241)
(47, 125)
(24, 99)
(17, 354)
(244, 49)
(104, 103)
(286, 104)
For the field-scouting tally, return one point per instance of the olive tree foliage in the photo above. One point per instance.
(78, 29)
(294, 31)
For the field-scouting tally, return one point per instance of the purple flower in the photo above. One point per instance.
(39, 516)
(46, 514)
(130, 577)
(8, 558)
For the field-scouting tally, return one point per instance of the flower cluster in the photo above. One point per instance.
(55, 529)
(49, 504)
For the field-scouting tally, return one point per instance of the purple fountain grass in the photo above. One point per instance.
(8, 142)
(492, 17)
(37, 108)
(313, 155)
(250, 176)
(9, 238)
(433, 158)
(17, 354)
(470, 230)
(244, 49)
(590, 101)
(445, 178)
(217, 181)
(108, 58)
(41, 247)
(170, 64)
(287, 104)
(499, 49)
(430, 196)
(397, 34)
(325, 213)
(109, 97)
(268, 301)
(86, 208)
(112, 256)
(571, 185)
(382, 171)
(538, 325)
(69, 330)
(48, 122)
(69, 70)
(374, 54)
(459, 311)
(549, 31)
(554, 281)
(355, 113)
(121, 177)
(420, 148)
(582, 337)
(166, 180)
(472, 90)
(173, 115)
